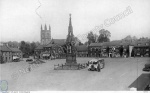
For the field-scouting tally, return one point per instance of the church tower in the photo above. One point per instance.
(45, 35)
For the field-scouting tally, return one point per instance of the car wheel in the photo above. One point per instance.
(103, 65)
(98, 68)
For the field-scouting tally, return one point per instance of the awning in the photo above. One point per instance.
(15, 57)
(141, 82)
(46, 54)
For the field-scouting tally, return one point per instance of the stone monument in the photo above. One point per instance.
(70, 43)
(71, 63)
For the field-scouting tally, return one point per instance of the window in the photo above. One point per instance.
(91, 49)
(147, 49)
(139, 44)
(3, 53)
(146, 44)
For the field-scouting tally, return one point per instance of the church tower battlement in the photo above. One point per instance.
(45, 35)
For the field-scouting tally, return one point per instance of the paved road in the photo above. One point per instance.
(118, 74)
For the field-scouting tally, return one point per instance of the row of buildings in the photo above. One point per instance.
(8, 54)
(118, 48)
(55, 48)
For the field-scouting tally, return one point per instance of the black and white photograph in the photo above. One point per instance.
(74, 45)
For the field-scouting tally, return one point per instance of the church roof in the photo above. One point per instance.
(58, 41)
(40, 47)
(52, 45)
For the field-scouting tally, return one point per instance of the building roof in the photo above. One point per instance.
(58, 41)
(40, 47)
(82, 48)
(124, 43)
(52, 45)
(112, 43)
(15, 50)
(96, 44)
(5, 48)
(142, 43)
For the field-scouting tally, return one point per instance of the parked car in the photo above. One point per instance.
(147, 67)
(25, 56)
(96, 65)
(28, 60)
(16, 59)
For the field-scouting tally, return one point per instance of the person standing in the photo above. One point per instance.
(29, 68)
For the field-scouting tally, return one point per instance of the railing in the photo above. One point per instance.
(70, 67)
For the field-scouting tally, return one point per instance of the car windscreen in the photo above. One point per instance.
(94, 62)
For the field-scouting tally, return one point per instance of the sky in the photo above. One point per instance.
(22, 19)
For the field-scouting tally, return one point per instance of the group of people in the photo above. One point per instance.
(119, 52)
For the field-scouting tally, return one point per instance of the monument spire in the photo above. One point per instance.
(70, 24)
(70, 28)
(49, 28)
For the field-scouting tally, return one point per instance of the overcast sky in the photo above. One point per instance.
(19, 21)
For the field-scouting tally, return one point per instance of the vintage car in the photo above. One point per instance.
(16, 59)
(147, 67)
(96, 64)
(29, 60)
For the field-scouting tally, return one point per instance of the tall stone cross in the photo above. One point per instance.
(71, 53)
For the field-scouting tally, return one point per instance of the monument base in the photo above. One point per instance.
(71, 59)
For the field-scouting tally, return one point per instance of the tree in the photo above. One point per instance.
(91, 38)
(96, 37)
(37, 43)
(25, 48)
(22, 46)
(144, 39)
(104, 36)
(32, 47)
(13, 44)
(129, 38)
(77, 41)
(86, 43)
(80, 43)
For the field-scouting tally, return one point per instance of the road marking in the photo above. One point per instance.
(123, 74)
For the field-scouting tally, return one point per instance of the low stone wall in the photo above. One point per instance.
(70, 67)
